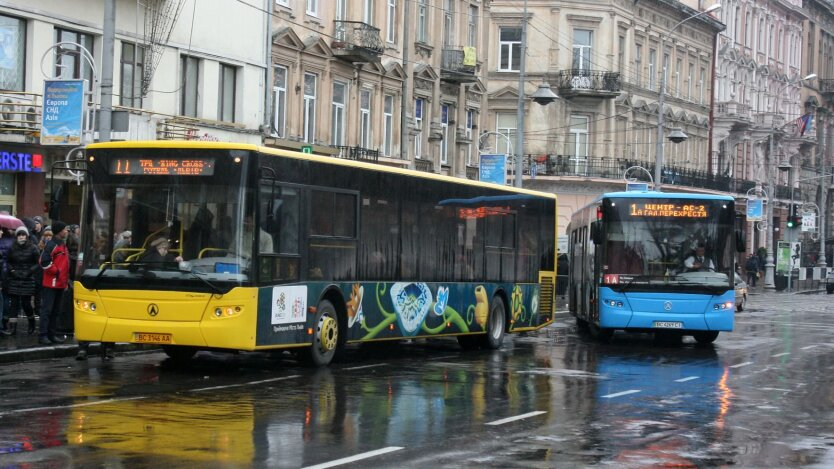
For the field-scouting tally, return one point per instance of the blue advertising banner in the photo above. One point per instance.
(63, 112)
(754, 209)
(493, 168)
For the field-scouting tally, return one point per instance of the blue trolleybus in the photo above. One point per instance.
(654, 262)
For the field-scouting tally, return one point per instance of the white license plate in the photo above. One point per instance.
(668, 324)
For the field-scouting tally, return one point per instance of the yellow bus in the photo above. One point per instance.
(272, 249)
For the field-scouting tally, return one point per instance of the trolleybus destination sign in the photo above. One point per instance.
(685, 210)
(162, 166)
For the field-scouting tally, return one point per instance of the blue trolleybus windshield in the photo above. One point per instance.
(680, 244)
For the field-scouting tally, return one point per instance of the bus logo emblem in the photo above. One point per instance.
(153, 309)
(667, 306)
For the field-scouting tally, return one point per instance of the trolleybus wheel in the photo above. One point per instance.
(179, 353)
(496, 325)
(705, 337)
(325, 334)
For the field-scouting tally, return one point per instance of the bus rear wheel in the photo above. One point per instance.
(705, 337)
(496, 325)
(179, 353)
(325, 335)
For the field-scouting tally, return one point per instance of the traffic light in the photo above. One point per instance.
(794, 221)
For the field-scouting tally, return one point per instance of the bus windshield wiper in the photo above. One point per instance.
(101, 272)
(214, 288)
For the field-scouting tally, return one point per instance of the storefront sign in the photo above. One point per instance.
(21, 162)
(63, 112)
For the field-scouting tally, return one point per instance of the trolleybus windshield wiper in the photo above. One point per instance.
(101, 272)
(214, 288)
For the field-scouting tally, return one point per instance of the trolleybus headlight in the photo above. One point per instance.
(613, 303)
(227, 311)
(92, 306)
(720, 306)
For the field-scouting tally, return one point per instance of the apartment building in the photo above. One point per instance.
(182, 69)
(342, 71)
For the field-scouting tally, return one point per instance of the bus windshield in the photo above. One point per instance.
(668, 244)
(174, 221)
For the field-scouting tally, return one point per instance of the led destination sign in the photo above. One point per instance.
(162, 167)
(686, 210)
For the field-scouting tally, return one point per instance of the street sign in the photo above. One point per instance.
(809, 222)
(637, 186)
(493, 168)
(754, 209)
(307, 149)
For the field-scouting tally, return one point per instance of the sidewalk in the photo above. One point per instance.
(23, 347)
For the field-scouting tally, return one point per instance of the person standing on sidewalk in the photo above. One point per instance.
(55, 263)
(21, 266)
(752, 267)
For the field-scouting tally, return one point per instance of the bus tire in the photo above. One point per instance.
(705, 337)
(326, 340)
(179, 353)
(601, 334)
(496, 325)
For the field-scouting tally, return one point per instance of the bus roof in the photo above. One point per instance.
(162, 144)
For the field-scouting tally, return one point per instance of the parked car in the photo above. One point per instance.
(829, 281)
(741, 293)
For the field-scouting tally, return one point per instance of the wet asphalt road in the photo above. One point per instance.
(762, 396)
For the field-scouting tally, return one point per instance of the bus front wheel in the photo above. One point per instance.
(325, 335)
(496, 322)
(705, 337)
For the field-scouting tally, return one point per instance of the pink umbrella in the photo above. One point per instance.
(10, 222)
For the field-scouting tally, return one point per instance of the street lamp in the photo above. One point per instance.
(783, 166)
(679, 136)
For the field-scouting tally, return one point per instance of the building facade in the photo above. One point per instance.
(174, 76)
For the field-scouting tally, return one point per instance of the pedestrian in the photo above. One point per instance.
(6, 239)
(72, 247)
(752, 267)
(21, 266)
(55, 263)
(37, 231)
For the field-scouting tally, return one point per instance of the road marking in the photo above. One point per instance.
(618, 394)
(688, 378)
(780, 354)
(517, 417)
(741, 364)
(355, 458)
(72, 406)
(250, 383)
(809, 347)
(364, 366)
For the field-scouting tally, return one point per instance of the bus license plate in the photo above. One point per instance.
(151, 338)
(668, 324)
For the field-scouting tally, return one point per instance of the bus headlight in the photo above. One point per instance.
(722, 306)
(613, 303)
(227, 311)
(85, 305)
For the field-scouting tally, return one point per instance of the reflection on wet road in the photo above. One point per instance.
(760, 397)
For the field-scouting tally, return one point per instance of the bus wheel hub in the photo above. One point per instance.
(328, 333)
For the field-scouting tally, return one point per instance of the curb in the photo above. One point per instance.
(46, 352)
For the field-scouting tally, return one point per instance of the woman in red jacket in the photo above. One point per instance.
(55, 263)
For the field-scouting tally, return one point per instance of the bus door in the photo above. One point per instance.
(280, 222)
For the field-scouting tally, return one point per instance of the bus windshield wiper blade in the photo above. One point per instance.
(214, 288)
(101, 272)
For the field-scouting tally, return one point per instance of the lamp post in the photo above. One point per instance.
(769, 265)
(658, 163)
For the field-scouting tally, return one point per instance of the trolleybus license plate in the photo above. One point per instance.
(668, 324)
(151, 338)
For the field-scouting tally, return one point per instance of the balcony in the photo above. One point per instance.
(768, 120)
(827, 88)
(457, 64)
(588, 83)
(426, 166)
(473, 173)
(354, 41)
(358, 154)
(733, 110)
(20, 115)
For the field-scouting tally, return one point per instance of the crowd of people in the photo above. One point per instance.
(37, 266)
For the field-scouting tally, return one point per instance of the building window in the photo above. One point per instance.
(69, 61)
(285, 3)
(422, 20)
(444, 129)
(472, 36)
(228, 85)
(509, 49)
(581, 49)
(448, 22)
(338, 113)
(313, 7)
(365, 119)
(310, 90)
(703, 85)
(279, 92)
(131, 69)
(578, 136)
(189, 95)
(470, 122)
(418, 126)
(621, 54)
(690, 80)
(341, 10)
(652, 71)
(638, 65)
(665, 73)
(505, 124)
(391, 21)
(678, 67)
(14, 52)
(368, 15)
(388, 124)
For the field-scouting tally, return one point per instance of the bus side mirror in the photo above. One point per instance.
(741, 244)
(596, 232)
